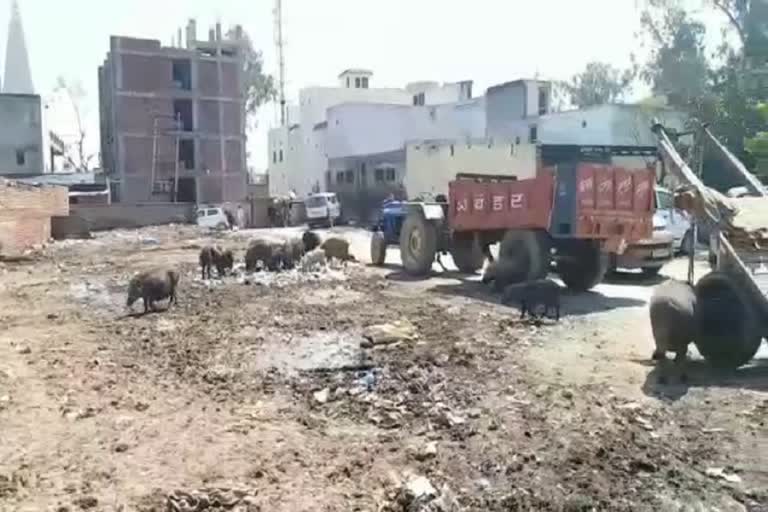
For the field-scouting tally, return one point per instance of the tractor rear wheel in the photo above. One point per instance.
(583, 265)
(529, 249)
(418, 244)
(378, 248)
(728, 331)
(467, 253)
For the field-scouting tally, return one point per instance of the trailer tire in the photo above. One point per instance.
(467, 253)
(585, 266)
(418, 244)
(378, 248)
(727, 330)
(530, 248)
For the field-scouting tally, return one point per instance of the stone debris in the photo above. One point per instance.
(322, 396)
(387, 334)
(721, 474)
(212, 500)
(417, 494)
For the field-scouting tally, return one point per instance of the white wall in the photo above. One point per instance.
(315, 101)
(430, 166)
(306, 155)
(359, 129)
(607, 125)
(284, 174)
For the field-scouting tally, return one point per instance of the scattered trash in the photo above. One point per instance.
(426, 451)
(387, 334)
(719, 473)
(322, 396)
(644, 423)
(419, 488)
(121, 447)
(210, 499)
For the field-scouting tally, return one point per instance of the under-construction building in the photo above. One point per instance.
(173, 118)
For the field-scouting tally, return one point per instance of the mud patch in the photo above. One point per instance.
(98, 295)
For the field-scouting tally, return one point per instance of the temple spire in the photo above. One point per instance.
(17, 76)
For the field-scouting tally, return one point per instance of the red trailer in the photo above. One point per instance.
(574, 213)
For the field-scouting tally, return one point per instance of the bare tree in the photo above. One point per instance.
(76, 94)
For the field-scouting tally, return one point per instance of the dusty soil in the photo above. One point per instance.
(263, 394)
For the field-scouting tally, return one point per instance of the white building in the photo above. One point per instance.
(297, 152)
(431, 165)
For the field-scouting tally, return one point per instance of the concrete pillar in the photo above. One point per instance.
(191, 33)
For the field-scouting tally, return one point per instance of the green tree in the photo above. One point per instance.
(259, 87)
(598, 84)
(678, 67)
(758, 145)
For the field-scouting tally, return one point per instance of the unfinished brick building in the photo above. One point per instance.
(173, 119)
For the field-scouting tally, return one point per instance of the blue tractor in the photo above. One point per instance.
(387, 230)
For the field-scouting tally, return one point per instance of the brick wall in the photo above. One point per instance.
(101, 217)
(25, 214)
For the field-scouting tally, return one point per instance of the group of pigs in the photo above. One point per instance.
(672, 307)
(308, 252)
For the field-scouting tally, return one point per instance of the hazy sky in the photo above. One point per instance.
(489, 41)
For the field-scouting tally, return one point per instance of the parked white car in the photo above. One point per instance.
(322, 209)
(675, 221)
(212, 217)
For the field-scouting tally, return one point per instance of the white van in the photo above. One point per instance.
(323, 209)
(212, 217)
(676, 221)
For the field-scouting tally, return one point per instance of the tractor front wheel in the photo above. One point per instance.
(378, 248)
(418, 244)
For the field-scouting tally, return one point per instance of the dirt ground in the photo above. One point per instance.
(264, 393)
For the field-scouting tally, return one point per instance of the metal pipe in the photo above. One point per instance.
(176, 161)
(154, 156)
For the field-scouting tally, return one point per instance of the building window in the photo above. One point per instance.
(543, 106)
(274, 157)
(357, 82)
(379, 175)
(281, 155)
(419, 99)
(182, 111)
(365, 82)
(391, 174)
(451, 149)
(162, 186)
(187, 153)
(532, 135)
(517, 140)
(21, 158)
(347, 82)
(350, 175)
(181, 74)
(340, 177)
